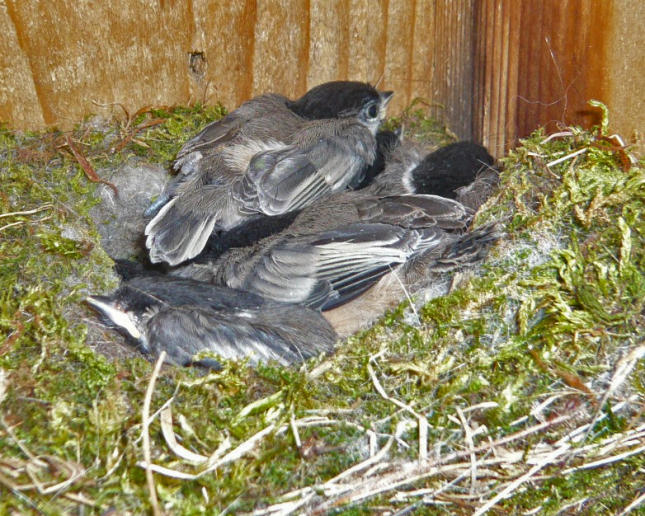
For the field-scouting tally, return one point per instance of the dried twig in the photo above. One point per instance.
(624, 366)
(422, 422)
(171, 440)
(87, 168)
(128, 138)
(145, 422)
(214, 461)
(635, 504)
(548, 459)
(45, 206)
(468, 435)
(568, 156)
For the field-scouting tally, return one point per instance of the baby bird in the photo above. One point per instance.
(333, 252)
(268, 157)
(184, 317)
(463, 171)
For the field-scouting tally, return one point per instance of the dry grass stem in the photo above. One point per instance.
(145, 423)
(568, 156)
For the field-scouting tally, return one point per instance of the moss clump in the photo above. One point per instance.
(417, 125)
(533, 336)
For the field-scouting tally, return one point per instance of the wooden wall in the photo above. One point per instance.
(538, 63)
(61, 60)
(492, 69)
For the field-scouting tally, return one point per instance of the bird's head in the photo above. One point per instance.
(344, 99)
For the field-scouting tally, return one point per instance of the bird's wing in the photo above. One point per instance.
(415, 211)
(213, 135)
(261, 117)
(286, 179)
(333, 267)
(187, 330)
(181, 228)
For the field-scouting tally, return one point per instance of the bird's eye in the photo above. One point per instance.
(372, 111)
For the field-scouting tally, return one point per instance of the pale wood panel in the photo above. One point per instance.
(453, 80)
(154, 52)
(225, 36)
(19, 102)
(281, 56)
(367, 40)
(82, 52)
(424, 48)
(624, 69)
(492, 69)
(329, 41)
(398, 58)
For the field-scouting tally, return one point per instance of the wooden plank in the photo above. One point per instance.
(225, 35)
(86, 52)
(19, 102)
(624, 71)
(281, 54)
(368, 20)
(329, 41)
(399, 36)
(537, 64)
(493, 69)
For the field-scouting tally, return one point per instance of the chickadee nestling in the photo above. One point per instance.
(336, 250)
(268, 157)
(184, 317)
(463, 171)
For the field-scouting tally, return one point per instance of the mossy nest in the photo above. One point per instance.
(520, 391)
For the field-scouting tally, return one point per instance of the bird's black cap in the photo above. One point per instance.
(448, 168)
(330, 99)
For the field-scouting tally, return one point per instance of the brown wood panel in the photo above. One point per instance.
(225, 36)
(154, 52)
(491, 69)
(537, 64)
(624, 71)
(454, 51)
(368, 21)
(400, 34)
(424, 51)
(329, 41)
(429, 56)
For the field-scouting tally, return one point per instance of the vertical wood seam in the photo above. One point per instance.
(245, 86)
(383, 49)
(344, 43)
(45, 111)
(305, 47)
(410, 44)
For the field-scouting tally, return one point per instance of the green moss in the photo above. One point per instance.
(417, 125)
(555, 306)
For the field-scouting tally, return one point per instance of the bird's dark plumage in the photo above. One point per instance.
(463, 171)
(451, 167)
(386, 142)
(332, 99)
(335, 251)
(265, 158)
(184, 317)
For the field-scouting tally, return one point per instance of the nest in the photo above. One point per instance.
(520, 390)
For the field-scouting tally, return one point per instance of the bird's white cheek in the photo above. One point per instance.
(118, 317)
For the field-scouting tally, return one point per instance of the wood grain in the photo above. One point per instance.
(492, 70)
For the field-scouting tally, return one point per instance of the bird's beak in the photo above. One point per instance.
(386, 96)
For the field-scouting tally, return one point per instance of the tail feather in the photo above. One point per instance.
(174, 238)
(471, 247)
